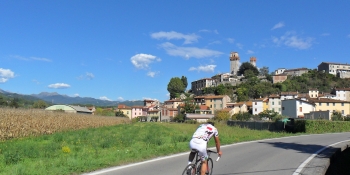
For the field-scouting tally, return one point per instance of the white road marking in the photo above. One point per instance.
(301, 167)
(98, 172)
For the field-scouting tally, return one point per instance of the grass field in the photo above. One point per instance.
(84, 150)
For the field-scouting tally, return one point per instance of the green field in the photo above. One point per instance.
(75, 152)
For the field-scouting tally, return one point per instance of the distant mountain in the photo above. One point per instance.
(56, 98)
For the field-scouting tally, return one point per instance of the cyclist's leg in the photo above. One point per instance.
(204, 167)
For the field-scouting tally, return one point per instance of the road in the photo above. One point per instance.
(281, 156)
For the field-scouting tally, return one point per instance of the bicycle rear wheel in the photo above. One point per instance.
(190, 170)
(210, 167)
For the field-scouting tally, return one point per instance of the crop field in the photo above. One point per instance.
(17, 123)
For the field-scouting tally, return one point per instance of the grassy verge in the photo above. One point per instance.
(75, 152)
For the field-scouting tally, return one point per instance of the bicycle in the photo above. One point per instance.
(195, 167)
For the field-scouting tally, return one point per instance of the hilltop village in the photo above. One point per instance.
(313, 104)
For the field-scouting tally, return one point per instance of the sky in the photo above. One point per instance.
(130, 49)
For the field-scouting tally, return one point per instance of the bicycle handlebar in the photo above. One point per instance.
(214, 152)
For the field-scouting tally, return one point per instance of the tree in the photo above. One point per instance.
(264, 71)
(2, 101)
(14, 103)
(222, 115)
(120, 113)
(243, 116)
(220, 90)
(40, 104)
(247, 66)
(336, 116)
(184, 81)
(175, 87)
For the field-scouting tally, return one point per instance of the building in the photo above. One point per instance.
(341, 93)
(253, 61)
(296, 72)
(332, 68)
(279, 78)
(324, 104)
(173, 103)
(260, 105)
(279, 71)
(234, 63)
(136, 111)
(343, 73)
(313, 93)
(295, 108)
(216, 102)
(275, 103)
(198, 85)
(288, 95)
(125, 109)
(69, 109)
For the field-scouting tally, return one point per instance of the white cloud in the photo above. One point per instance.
(88, 76)
(76, 95)
(5, 75)
(175, 35)
(278, 25)
(142, 61)
(290, 39)
(349, 36)
(152, 74)
(59, 86)
(207, 68)
(250, 52)
(188, 52)
(30, 58)
(105, 98)
(216, 32)
(215, 42)
(120, 99)
(230, 40)
(239, 45)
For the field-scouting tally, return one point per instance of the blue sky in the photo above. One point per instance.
(130, 49)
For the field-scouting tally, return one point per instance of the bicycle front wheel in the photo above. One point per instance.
(190, 170)
(210, 167)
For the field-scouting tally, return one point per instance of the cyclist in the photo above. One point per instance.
(199, 142)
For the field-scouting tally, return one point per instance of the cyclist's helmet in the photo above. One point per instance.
(212, 123)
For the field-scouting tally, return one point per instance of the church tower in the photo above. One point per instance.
(234, 63)
(253, 61)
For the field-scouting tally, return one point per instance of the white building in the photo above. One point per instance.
(295, 108)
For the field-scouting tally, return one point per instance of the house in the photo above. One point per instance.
(92, 109)
(295, 108)
(236, 108)
(332, 68)
(259, 105)
(288, 95)
(198, 85)
(173, 103)
(69, 109)
(148, 102)
(279, 78)
(136, 111)
(296, 72)
(313, 93)
(275, 103)
(279, 71)
(341, 93)
(214, 102)
(324, 104)
(125, 109)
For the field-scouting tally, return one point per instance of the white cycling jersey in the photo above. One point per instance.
(200, 139)
(205, 132)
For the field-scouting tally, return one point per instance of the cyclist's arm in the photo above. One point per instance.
(217, 143)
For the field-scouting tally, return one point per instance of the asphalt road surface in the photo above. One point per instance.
(281, 156)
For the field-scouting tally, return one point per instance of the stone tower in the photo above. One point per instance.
(234, 63)
(253, 61)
